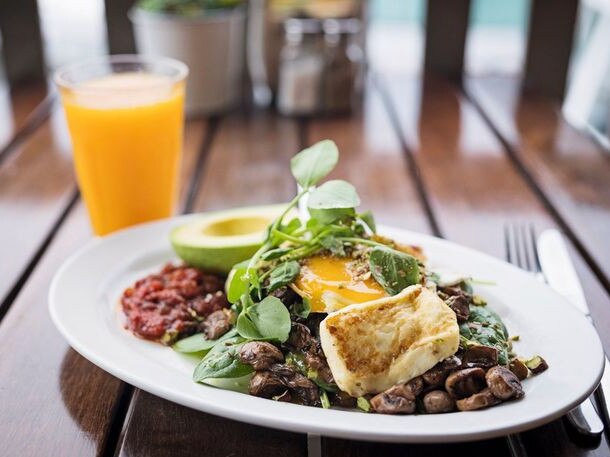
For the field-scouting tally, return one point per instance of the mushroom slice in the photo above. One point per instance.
(398, 399)
(436, 375)
(266, 384)
(480, 356)
(503, 383)
(464, 383)
(260, 354)
(480, 400)
(438, 401)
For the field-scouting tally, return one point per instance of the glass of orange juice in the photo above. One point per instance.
(125, 115)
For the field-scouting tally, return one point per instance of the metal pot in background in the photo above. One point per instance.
(212, 45)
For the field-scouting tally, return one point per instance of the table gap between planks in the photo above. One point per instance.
(426, 156)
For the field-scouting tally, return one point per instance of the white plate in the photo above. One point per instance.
(84, 306)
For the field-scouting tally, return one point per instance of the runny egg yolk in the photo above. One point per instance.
(330, 284)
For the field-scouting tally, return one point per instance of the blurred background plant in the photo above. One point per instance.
(186, 7)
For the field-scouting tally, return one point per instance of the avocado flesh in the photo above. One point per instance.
(218, 240)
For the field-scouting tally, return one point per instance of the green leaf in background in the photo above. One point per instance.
(312, 164)
(198, 342)
(222, 362)
(283, 275)
(393, 270)
(186, 7)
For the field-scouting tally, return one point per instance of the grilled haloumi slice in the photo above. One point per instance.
(374, 345)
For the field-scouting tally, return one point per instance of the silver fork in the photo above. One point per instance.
(521, 251)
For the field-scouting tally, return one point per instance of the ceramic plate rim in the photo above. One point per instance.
(296, 418)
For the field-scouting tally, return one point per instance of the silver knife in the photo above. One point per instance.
(561, 275)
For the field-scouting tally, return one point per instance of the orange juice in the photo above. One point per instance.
(126, 131)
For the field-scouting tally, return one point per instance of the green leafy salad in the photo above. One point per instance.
(325, 290)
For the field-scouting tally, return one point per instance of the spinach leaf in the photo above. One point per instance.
(392, 269)
(369, 220)
(485, 327)
(312, 164)
(334, 194)
(333, 201)
(329, 215)
(198, 342)
(301, 308)
(283, 275)
(246, 328)
(222, 362)
(334, 245)
(291, 226)
(275, 253)
(237, 283)
(267, 320)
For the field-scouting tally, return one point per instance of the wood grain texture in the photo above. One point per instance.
(475, 190)
(245, 166)
(36, 185)
(161, 428)
(54, 402)
(568, 167)
(19, 106)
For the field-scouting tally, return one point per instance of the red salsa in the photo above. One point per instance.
(171, 304)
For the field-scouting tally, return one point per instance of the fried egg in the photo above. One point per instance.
(372, 346)
(331, 283)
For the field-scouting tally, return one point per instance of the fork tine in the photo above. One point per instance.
(528, 261)
(518, 246)
(510, 258)
(536, 264)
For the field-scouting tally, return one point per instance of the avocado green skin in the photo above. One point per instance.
(214, 260)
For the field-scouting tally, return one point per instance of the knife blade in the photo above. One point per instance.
(560, 274)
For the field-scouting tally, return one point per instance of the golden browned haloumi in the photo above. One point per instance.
(374, 345)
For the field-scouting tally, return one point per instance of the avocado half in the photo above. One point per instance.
(218, 240)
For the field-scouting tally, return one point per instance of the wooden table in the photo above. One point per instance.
(428, 156)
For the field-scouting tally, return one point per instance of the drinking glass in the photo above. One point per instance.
(125, 115)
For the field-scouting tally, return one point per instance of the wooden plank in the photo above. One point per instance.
(54, 402)
(568, 168)
(36, 185)
(247, 165)
(373, 160)
(21, 40)
(475, 189)
(446, 28)
(120, 31)
(549, 46)
(17, 104)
